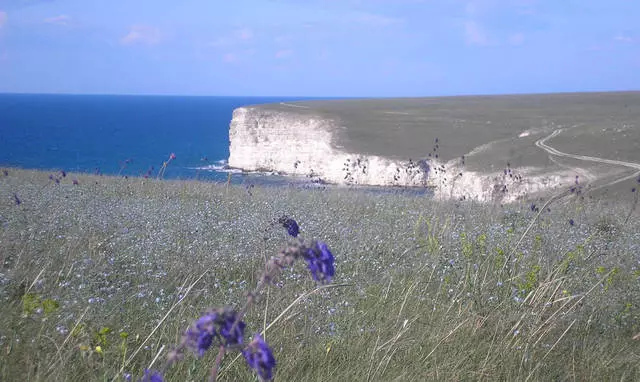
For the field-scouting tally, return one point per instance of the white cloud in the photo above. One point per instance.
(283, 39)
(623, 38)
(244, 34)
(471, 8)
(230, 57)
(516, 39)
(283, 54)
(377, 20)
(475, 34)
(238, 56)
(235, 37)
(3, 18)
(142, 34)
(58, 20)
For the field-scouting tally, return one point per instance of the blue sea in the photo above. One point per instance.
(120, 135)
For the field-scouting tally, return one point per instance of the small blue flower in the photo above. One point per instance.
(151, 376)
(259, 357)
(320, 262)
(571, 222)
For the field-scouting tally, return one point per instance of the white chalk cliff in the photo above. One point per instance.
(304, 144)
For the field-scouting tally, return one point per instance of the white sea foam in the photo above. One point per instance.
(219, 166)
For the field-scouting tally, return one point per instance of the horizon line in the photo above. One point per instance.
(2, 93)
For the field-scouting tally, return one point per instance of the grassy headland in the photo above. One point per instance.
(99, 278)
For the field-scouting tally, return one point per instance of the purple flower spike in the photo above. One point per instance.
(291, 225)
(259, 357)
(200, 337)
(151, 376)
(320, 261)
(232, 332)
(214, 325)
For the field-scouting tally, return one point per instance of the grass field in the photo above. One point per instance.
(404, 128)
(100, 279)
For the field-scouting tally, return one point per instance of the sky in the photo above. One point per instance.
(319, 48)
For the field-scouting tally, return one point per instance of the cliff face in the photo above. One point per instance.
(304, 141)
(304, 144)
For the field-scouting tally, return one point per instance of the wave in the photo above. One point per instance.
(219, 166)
(223, 166)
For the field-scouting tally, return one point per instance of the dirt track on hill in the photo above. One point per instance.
(541, 143)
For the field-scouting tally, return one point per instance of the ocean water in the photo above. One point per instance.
(126, 135)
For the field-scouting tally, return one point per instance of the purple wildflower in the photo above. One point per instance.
(5, 172)
(63, 173)
(233, 329)
(320, 262)
(75, 182)
(17, 199)
(151, 376)
(219, 324)
(259, 357)
(633, 189)
(571, 222)
(291, 225)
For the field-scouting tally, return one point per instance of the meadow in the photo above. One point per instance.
(100, 277)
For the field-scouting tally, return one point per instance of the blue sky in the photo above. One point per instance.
(319, 47)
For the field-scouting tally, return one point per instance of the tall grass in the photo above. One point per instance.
(100, 279)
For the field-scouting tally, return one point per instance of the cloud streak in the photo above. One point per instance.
(516, 39)
(475, 34)
(623, 38)
(3, 18)
(243, 35)
(284, 54)
(142, 35)
(377, 20)
(58, 20)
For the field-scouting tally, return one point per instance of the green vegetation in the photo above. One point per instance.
(99, 280)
